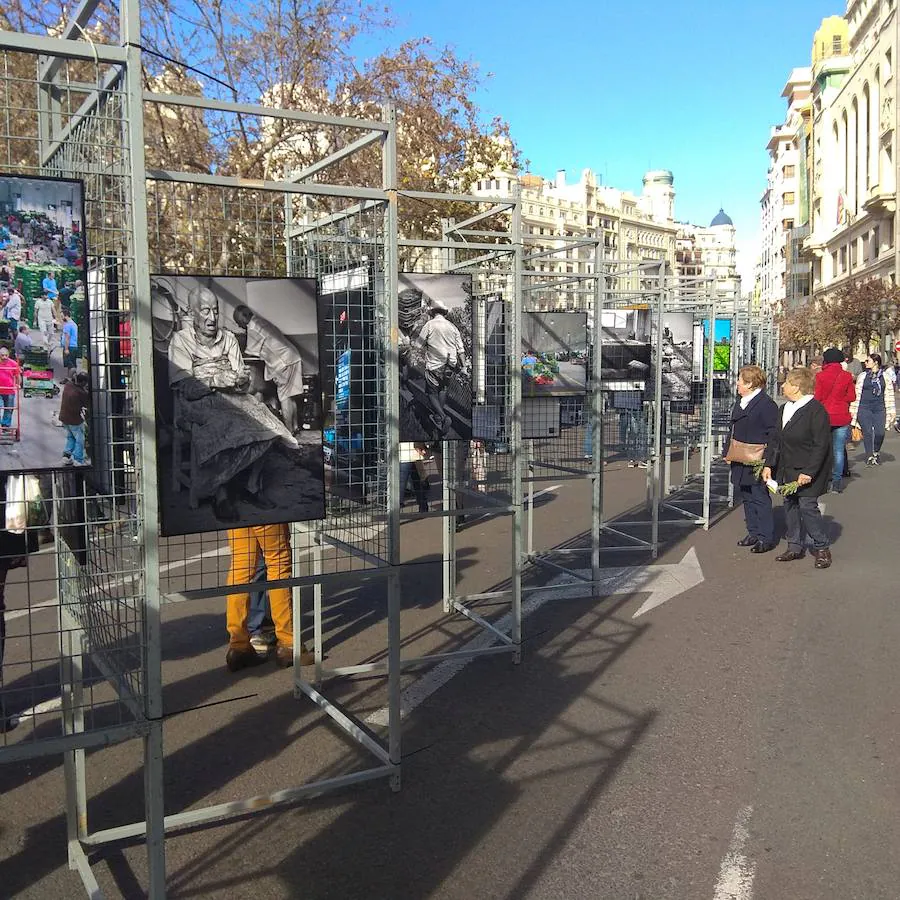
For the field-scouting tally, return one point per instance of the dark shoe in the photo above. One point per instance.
(748, 541)
(460, 523)
(284, 656)
(423, 507)
(823, 558)
(789, 556)
(836, 488)
(241, 659)
(763, 547)
(876, 459)
(870, 461)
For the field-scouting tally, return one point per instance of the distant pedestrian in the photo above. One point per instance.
(22, 344)
(835, 391)
(854, 366)
(12, 312)
(9, 386)
(44, 319)
(74, 403)
(68, 340)
(799, 457)
(874, 409)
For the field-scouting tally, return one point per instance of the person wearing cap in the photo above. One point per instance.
(444, 353)
(835, 391)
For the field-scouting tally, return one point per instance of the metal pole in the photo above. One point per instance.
(594, 399)
(514, 374)
(707, 467)
(145, 415)
(392, 385)
(657, 413)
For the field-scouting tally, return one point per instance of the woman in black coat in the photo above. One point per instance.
(753, 419)
(800, 451)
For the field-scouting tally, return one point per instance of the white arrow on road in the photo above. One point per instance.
(663, 582)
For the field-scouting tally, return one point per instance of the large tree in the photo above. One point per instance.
(858, 312)
(297, 54)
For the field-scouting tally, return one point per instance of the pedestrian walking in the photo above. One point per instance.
(874, 409)
(835, 391)
(753, 419)
(799, 457)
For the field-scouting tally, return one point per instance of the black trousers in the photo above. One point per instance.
(802, 515)
(757, 503)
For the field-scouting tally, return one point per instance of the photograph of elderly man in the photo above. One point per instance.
(231, 446)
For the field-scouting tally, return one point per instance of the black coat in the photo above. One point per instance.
(803, 447)
(753, 425)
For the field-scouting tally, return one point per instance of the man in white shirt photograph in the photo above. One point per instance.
(435, 348)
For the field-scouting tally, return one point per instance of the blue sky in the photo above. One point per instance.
(622, 87)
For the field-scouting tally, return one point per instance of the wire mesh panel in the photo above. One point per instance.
(83, 589)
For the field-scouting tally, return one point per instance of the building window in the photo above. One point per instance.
(789, 171)
(876, 242)
(888, 65)
(788, 198)
(837, 45)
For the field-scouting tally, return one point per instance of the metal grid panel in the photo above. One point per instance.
(216, 230)
(84, 591)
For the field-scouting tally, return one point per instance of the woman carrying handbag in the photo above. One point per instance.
(753, 419)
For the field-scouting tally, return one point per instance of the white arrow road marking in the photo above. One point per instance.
(662, 581)
(666, 582)
(544, 492)
(737, 872)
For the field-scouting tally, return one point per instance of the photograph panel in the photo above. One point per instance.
(554, 353)
(677, 355)
(625, 355)
(435, 325)
(238, 400)
(45, 383)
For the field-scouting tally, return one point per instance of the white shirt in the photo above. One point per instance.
(442, 342)
(745, 401)
(792, 406)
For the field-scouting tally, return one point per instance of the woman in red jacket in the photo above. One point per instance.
(835, 391)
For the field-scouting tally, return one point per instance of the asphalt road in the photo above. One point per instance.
(737, 742)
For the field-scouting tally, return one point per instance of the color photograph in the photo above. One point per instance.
(45, 389)
(554, 353)
(239, 418)
(435, 319)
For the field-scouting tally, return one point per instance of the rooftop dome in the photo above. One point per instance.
(721, 219)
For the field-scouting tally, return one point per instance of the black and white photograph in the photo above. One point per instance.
(45, 384)
(435, 319)
(625, 356)
(554, 353)
(238, 402)
(677, 355)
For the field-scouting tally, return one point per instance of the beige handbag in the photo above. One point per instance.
(742, 452)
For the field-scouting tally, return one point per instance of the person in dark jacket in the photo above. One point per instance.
(835, 391)
(753, 419)
(800, 453)
(75, 400)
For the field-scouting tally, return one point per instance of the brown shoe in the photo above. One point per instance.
(823, 558)
(789, 556)
(241, 659)
(284, 656)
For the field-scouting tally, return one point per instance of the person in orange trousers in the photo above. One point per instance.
(275, 544)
